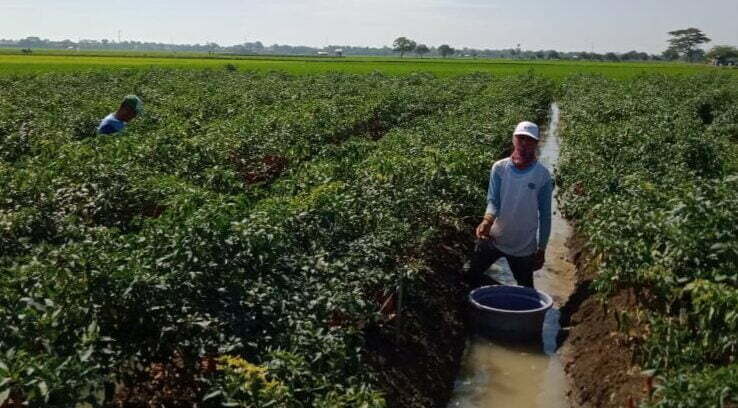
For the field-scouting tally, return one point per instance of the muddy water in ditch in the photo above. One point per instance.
(500, 375)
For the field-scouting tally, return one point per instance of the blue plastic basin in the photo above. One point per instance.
(509, 312)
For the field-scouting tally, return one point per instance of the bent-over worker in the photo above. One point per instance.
(517, 222)
(116, 122)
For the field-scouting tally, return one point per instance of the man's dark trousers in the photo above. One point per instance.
(485, 254)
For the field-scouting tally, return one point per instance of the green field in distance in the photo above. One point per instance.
(40, 61)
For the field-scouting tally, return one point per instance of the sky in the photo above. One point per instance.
(565, 25)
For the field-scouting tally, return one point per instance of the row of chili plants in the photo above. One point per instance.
(164, 252)
(649, 170)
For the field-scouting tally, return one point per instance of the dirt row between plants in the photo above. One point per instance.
(418, 354)
(599, 360)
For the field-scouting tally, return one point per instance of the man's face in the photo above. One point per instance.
(526, 142)
(126, 114)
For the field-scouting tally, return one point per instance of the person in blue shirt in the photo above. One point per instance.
(517, 222)
(117, 121)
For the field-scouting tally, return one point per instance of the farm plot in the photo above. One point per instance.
(12, 62)
(649, 170)
(237, 243)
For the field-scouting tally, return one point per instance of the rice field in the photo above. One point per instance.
(13, 63)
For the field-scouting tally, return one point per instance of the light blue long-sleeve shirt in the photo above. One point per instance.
(520, 201)
(110, 124)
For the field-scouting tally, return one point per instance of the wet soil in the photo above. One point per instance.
(599, 359)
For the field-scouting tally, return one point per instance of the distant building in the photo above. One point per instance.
(338, 52)
(322, 53)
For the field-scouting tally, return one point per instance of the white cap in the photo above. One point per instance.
(527, 129)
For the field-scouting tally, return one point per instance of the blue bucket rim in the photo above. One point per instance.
(548, 300)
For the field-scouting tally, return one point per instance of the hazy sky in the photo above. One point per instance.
(568, 25)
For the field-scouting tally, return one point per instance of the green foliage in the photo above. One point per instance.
(710, 387)
(648, 169)
(247, 215)
(403, 45)
(685, 41)
(723, 53)
(421, 49)
(445, 50)
(55, 61)
(248, 385)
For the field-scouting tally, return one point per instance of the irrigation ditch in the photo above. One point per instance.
(503, 374)
(437, 361)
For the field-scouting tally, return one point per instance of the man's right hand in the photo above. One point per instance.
(483, 229)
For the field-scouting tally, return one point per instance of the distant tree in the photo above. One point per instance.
(684, 42)
(611, 56)
(553, 54)
(445, 50)
(540, 54)
(633, 56)
(696, 55)
(403, 45)
(670, 54)
(29, 42)
(421, 49)
(722, 53)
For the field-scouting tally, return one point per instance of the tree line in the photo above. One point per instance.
(258, 48)
(683, 45)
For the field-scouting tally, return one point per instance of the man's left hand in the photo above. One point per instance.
(539, 259)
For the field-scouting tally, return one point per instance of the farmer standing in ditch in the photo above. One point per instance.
(117, 121)
(517, 223)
